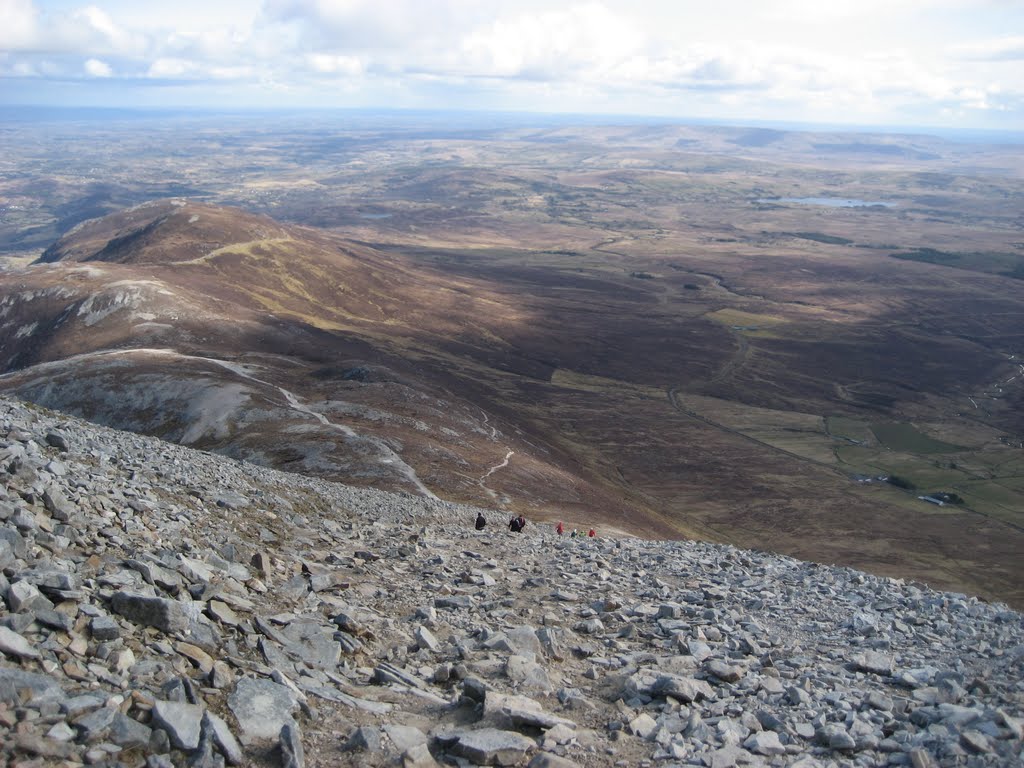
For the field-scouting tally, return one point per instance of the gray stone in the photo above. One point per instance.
(166, 615)
(13, 644)
(425, 639)
(418, 756)
(527, 674)
(835, 736)
(94, 726)
(874, 662)
(33, 744)
(976, 741)
(365, 738)
(730, 673)
(404, 736)
(519, 712)
(57, 440)
(223, 738)
(643, 725)
(292, 754)
(490, 746)
(104, 628)
(764, 743)
(24, 596)
(129, 733)
(684, 689)
(262, 708)
(181, 721)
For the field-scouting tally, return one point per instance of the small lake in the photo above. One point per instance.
(374, 215)
(831, 202)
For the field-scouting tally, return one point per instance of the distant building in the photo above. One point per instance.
(932, 500)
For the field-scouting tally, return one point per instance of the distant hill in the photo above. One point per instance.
(528, 382)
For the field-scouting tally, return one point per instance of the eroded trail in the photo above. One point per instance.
(482, 482)
(388, 454)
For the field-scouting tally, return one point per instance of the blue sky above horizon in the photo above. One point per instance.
(951, 63)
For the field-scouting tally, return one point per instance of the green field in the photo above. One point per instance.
(849, 429)
(995, 263)
(903, 437)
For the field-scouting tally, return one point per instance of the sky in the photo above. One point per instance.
(942, 63)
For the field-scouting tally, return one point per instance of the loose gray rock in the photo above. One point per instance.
(262, 708)
(13, 644)
(181, 721)
(292, 755)
(490, 746)
(166, 615)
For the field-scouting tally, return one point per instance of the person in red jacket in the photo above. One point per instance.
(592, 533)
(559, 529)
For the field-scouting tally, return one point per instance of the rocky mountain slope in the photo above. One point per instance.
(163, 606)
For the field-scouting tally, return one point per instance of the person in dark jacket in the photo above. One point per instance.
(480, 521)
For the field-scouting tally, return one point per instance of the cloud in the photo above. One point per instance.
(998, 49)
(661, 56)
(19, 24)
(578, 42)
(333, 64)
(97, 68)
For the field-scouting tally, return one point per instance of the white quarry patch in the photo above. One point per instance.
(26, 330)
(90, 270)
(211, 408)
(99, 306)
(193, 219)
(208, 414)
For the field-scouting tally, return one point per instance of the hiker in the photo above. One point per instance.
(574, 534)
(559, 529)
(592, 533)
(513, 525)
(480, 521)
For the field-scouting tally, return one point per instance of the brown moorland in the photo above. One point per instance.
(668, 331)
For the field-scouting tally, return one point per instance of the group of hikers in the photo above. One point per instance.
(518, 523)
(560, 530)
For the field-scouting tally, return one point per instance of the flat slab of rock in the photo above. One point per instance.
(874, 662)
(182, 722)
(262, 708)
(13, 644)
(166, 615)
(490, 746)
(519, 711)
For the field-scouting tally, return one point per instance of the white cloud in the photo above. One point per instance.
(578, 42)
(997, 49)
(333, 64)
(97, 68)
(19, 24)
(171, 68)
(783, 59)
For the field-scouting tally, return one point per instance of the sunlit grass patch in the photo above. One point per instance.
(900, 436)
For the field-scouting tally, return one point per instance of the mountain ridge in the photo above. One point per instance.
(547, 383)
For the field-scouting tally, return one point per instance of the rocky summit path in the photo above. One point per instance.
(165, 607)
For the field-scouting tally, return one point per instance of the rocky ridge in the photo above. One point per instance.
(163, 607)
